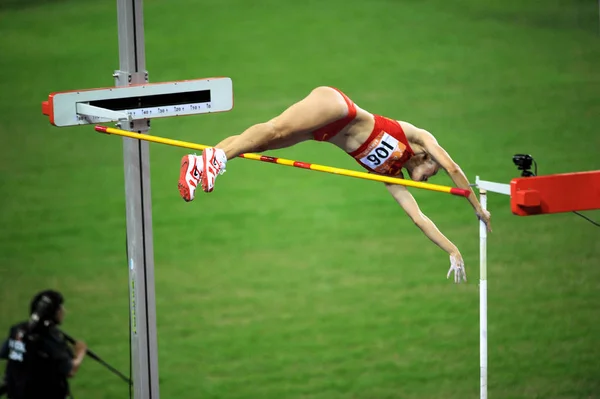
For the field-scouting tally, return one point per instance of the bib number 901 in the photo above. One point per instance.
(381, 153)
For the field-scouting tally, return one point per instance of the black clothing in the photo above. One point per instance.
(38, 364)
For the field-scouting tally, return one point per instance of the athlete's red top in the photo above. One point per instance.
(384, 152)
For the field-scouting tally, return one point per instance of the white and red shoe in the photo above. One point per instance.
(189, 176)
(213, 164)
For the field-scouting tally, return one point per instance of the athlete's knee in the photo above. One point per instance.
(273, 130)
(279, 129)
(263, 134)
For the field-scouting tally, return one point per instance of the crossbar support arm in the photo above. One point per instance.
(92, 111)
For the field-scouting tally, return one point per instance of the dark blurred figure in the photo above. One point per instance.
(40, 361)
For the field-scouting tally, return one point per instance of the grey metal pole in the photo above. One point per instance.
(140, 248)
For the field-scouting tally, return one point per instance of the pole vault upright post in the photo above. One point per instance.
(140, 250)
(484, 187)
(132, 103)
(483, 346)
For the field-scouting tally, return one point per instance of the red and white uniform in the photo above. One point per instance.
(385, 151)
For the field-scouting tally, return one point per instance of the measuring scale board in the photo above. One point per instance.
(143, 101)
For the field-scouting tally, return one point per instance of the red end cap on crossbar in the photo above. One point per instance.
(460, 192)
(564, 192)
(100, 128)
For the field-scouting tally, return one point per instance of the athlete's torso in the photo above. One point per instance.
(378, 144)
(386, 149)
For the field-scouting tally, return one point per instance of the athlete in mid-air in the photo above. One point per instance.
(379, 144)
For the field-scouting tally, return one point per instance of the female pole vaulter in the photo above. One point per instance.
(379, 144)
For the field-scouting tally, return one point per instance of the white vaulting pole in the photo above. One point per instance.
(483, 349)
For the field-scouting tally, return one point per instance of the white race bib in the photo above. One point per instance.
(381, 152)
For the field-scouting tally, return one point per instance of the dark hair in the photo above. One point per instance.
(54, 301)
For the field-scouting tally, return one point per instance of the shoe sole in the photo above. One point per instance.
(184, 190)
(204, 178)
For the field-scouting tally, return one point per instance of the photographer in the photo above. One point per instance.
(39, 359)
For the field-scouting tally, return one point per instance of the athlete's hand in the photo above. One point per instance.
(484, 215)
(457, 265)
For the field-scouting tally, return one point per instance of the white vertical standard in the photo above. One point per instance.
(483, 349)
(483, 187)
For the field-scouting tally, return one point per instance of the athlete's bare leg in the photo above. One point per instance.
(322, 106)
(296, 124)
(227, 141)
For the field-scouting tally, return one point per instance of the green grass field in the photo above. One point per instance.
(289, 284)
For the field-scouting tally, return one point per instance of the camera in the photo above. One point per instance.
(523, 163)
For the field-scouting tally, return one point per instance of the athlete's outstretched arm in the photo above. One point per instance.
(431, 145)
(410, 206)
